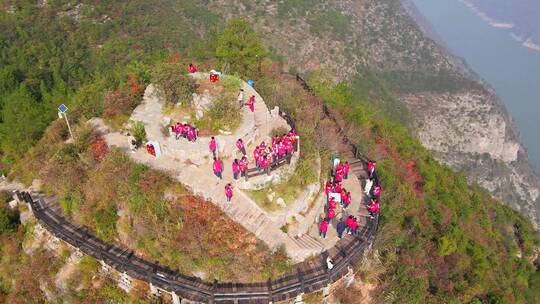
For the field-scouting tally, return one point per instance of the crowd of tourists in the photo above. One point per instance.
(184, 130)
(264, 155)
(336, 193)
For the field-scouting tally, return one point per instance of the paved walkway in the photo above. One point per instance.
(190, 164)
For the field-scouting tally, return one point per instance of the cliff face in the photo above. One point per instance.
(470, 131)
(452, 113)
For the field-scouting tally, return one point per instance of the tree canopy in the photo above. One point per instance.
(238, 48)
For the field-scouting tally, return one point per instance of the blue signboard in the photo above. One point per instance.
(62, 108)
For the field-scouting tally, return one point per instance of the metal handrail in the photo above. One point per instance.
(192, 288)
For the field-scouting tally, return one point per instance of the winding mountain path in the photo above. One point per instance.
(191, 165)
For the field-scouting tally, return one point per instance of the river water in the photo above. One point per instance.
(511, 69)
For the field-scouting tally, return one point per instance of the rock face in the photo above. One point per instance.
(467, 122)
(470, 131)
(467, 129)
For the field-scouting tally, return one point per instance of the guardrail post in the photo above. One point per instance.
(301, 279)
(267, 169)
(214, 288)
(269, 286)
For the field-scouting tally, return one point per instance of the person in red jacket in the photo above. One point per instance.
(338, 187)
(374, 208)
(371, 168)
(345, 199)
(332, 204)
(323, 228)
(330, 214)
(241, 147)
(339, 168)
(228, 192)
(218, 168)
(192, 69)
(251, 103)
(354, 226)
(346, 169)
(236, 169)
(213, 146)
(338, 177)
(328, 189)
(349, 223)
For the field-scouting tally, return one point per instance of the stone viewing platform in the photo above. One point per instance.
(295, 225)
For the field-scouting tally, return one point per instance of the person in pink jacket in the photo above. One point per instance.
(217, 166)
(213, 146)
(241, 147)
(251, 103)
(236, 169)
(185, 130)
(330, 214)
(192, 134)
(244, 162)
(228, 192)
(377, 192)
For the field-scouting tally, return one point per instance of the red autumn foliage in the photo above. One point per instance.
(99, 148)
(118, 103)
(136, 89)
(173, 58)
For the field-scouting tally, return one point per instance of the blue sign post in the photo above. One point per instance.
(62, 111)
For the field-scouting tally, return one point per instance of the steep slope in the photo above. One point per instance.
(377, 43)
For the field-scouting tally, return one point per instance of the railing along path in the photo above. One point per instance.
(308, 276)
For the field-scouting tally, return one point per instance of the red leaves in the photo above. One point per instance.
(99, 148)
(136, 89)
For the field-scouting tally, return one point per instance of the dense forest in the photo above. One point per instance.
(441, 240)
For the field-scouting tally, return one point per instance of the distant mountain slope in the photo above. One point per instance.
(379, 48)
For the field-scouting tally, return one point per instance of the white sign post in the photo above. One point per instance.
(62, 111)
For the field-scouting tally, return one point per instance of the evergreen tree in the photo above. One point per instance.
(23, 122)
(238, 48)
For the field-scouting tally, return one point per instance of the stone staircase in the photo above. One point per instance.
(190, 164)
(304, 246)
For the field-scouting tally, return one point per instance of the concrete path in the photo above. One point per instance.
(190, 164)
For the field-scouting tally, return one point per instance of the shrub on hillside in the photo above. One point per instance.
(118, 102)
(105, 221)
(173, 83)
(138, 131)
(9, 219)
(99, 148)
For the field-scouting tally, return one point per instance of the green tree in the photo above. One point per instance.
(174, 84)
(238, 48)
(23, 122)
(8, 219)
